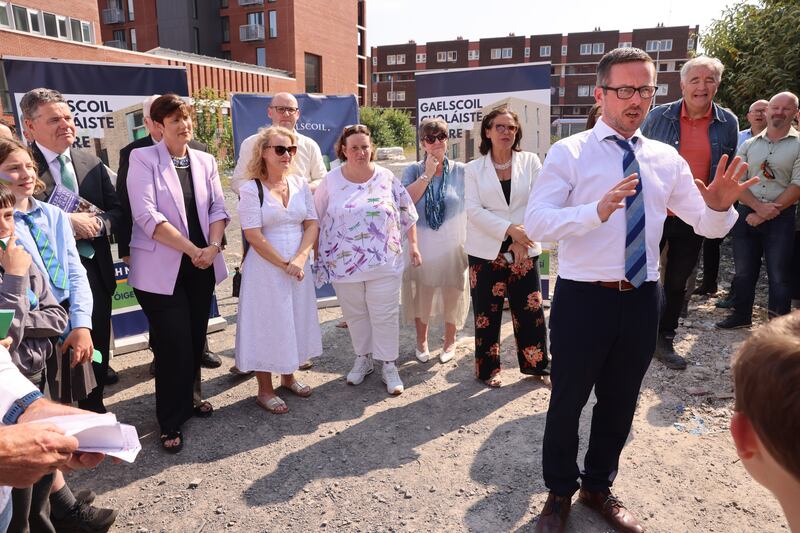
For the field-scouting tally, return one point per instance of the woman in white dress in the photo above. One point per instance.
(277, 327)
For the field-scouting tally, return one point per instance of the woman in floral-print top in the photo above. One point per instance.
(364, 213)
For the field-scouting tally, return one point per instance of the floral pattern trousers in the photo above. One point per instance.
(490, 282)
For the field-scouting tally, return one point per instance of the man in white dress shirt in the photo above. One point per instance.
(604, 318)
(283, 111)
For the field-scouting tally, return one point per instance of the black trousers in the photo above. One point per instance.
(101, 335)
(179, 322)
(600, 338)
(711, 256)
(682, 253)
(490, 282)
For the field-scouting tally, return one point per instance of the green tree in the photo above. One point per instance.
(389, 127)
(212, 126)
(759, 44)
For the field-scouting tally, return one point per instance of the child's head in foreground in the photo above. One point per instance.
(766, 424)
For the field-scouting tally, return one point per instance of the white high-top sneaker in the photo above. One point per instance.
(392, 379)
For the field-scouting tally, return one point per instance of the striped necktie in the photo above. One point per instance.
(635, 243)
(67, 173)
(54, 269)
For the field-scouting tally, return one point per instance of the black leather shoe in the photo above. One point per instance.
(665, 352)
(734, 322)
(111, 377)
(210, 360)
(705, 290)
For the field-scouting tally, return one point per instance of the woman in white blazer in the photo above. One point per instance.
(503, 261)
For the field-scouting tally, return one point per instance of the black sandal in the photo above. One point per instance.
(203, 409)
(172, 435)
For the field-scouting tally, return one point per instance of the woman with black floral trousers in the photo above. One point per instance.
(503, 261)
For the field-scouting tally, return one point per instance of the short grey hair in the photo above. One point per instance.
(147, 103)
(36, 97)
(703, 61)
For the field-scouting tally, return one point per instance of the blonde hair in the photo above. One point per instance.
(257, 168)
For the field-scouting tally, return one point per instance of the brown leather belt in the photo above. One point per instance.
(622, 285)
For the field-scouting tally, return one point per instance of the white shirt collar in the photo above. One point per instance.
(602, 130)
(50, 155)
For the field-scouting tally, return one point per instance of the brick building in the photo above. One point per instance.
(321, 44)
(574, 58)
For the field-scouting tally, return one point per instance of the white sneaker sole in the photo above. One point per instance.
(395, 391)
(359, 381)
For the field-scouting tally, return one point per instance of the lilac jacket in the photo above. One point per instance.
(156, 196)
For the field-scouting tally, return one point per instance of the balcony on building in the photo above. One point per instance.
(113, 15)
(251, 32)
(245, 3)
(116, 44)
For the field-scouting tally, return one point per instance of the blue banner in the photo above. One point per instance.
(321, 117)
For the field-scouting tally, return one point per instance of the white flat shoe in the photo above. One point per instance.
(445, 356)
(422, 357)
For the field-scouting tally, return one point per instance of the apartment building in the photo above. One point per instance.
(322, 44)
(573, 57)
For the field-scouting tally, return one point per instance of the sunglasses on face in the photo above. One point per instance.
(502, 128)
(281, 150)
(432, 138)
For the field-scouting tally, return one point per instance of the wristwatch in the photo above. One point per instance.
(19, 406)
(217, 244)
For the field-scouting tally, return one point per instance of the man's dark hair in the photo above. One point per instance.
(35, 97)
(616, 57)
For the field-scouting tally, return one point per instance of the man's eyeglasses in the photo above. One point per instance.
(626, 93)
(284, 110)
(767, 171)
(431, 138)
(281, 150)
(502, 128)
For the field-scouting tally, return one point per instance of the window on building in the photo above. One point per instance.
(441, 57)
(226, 54)
(86, 30)
(401, 59)
(561, 91)
(451, 56)
(663, 89)
(75, 29)
(473, 55)
(598, 48)
(626, 44)
(391, 59)
(544, 51)
(20, 18)
(690, 43)
(665, 45)
(261, 56)
(663, 67)
(576, 110)
(495, 53)
(119, 35)
(273, 24)
(563, 49)
(50, 25)
(136, 124)
(507, 53)
(400, 96)
(586, 49)
(5, 22)
(374, 97)
(131, 13)
(256, 18)
(62, 26)
(390, 96)
(421, 58)
(226, 29)
(585, 90)
(374, 61)
(33, 16)
(527, 51)
(313, 73)
(134, 45)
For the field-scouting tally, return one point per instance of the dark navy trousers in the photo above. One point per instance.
(604, 339)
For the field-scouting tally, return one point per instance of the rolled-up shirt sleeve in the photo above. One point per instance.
(687, 202)
(141, 190)
(216, 209)
(13, 385)
(249, 206)
(81, 302)
(549, 217)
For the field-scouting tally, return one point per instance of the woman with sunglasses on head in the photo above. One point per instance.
(176, 258)
(438, 289)
(276, 210)
(365, 212)
(503, 261)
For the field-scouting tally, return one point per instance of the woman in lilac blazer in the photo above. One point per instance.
(176, 258)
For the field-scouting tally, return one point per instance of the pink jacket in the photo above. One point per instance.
(156, 196)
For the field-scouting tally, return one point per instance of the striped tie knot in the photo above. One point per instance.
(54, 269)
(635, 242)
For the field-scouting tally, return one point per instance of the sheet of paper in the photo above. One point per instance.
(98, 433)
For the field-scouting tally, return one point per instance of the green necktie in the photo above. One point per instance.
(67, 174)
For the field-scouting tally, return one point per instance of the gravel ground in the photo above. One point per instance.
(447, 455)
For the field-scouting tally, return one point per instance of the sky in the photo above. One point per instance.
(398, 21)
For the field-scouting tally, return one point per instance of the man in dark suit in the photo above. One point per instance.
(50, 128)
(209, 359)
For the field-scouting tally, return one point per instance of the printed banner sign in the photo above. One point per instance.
(463, 96)
(321, 117)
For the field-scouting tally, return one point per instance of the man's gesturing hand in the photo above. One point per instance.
(725, 188)
(614, 199)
